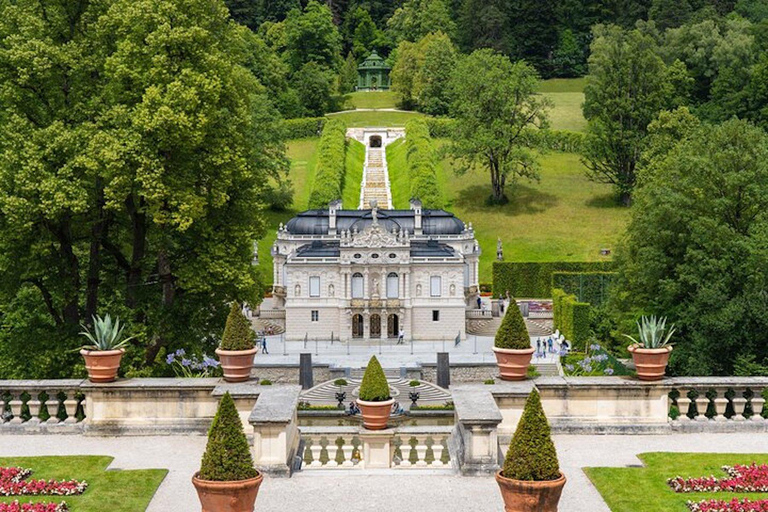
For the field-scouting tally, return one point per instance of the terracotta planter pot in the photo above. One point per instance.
(236, 364)
(237, 496)
(375, 414)
(651, 363)
(513, 363)
(529, 496)
(102, 365)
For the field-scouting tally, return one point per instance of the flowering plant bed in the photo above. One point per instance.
(752, 478)
(15, 506)
(734, 505)
(14, 482)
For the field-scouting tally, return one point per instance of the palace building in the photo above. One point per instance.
(369, 273)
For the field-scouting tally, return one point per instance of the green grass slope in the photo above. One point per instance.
(354, 176)
(378, 99)
(397, 167)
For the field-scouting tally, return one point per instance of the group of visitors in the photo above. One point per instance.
(551, 345)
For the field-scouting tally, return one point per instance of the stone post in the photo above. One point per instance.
(443, 370)
(306, 378)
(477, 421)
(275, 429)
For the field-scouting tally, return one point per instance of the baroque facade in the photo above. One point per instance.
(368, 274)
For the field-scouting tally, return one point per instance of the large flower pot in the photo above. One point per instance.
(375, 414)
(236, 364)
(530, 496)
(237, 496)
(513, 363)
(651, 363)
(102, 365)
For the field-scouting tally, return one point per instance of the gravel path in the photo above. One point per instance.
(383, 492)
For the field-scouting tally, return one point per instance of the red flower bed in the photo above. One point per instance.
(753, 478)
(33, 507)
(735, 505)
(14, 482)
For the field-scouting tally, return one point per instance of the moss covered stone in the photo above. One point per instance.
(375, 387)
(238, 334)
(531, 454)
(513, 333)
(227, 456)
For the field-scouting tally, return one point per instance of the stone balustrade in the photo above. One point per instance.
(52, 406)
(356, 448)
(479, 314)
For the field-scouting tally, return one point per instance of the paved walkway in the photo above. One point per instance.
(353, 491)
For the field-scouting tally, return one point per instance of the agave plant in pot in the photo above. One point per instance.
(103, 354)
(512, 345)
(375, 400)
(237, 348)
(227, 480)
(651, 352)
(530, 480)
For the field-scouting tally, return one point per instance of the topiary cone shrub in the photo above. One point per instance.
(375, 401)
(374, 387)
(227, 480)
(238, 334)
(512, 334)
(530, 480)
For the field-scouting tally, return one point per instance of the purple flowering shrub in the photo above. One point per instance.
(594, 363)
(190, 366)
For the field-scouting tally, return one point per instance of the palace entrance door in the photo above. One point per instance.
(375, 326)
(357, 326)
(393, 326)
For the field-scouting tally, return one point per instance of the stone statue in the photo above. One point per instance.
(375, 287)
(499, 250)
(375, 211)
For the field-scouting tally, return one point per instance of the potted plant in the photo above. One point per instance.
(651, 353)
(103, 355)
(414, 395)
(227, 480)
(512, 345)
(237, 348)
(530, 480)
(340, 394)
(375, 401)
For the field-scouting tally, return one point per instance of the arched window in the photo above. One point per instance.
(393, 285)
(357, 286)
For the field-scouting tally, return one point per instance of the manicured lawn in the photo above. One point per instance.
(645, 488)
(378, 118)
(567, 95)
(564, 217)
(398, 174)
(562, 85)
(354, 176)
(113, 491)
(379, 99)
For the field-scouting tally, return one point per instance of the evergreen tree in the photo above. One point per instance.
(227, 456)
(483, 24)
(374, 387)
(670, 13)
(532, 33)
(568, 60)
(512, 333)
(311, 36)
(348, 75)
(238, 334)
(531, 455)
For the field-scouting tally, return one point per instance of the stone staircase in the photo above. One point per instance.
(375, 185)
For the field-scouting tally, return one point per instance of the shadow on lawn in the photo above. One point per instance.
(523, 199)
(609, 200)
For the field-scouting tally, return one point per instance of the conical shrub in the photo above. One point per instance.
(513, 333)
(531, 454)
(374, 387)
(227, 456)
(238, 334)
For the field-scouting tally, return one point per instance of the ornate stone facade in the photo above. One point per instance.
(369, 274)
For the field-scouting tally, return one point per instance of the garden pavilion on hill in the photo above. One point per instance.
(373, 74)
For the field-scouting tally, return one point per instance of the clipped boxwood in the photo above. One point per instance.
(592, 287)
(374, 387)
(238, 334)
(572, 318)
(422, 163)
(531, 455)
(330, 168)
(303, 128)
(533, 280)
(227, 456)
(512, 333)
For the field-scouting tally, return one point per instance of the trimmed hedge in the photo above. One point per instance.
(512, 333)
(592, 287)
(572, 318)
(330, 169)
(227, 456)
(422, 164)
(557, 140)
(374, 387)
(238, 334)
(533, 280)
(303, 127)
(531, 455)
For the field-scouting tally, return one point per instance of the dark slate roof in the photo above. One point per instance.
(430, 249)
(319, 249)
(434, 222)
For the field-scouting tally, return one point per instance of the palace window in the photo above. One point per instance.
(435, 315)
(315, 315)
(314, 286)
(393, 283)
(357, 286)
(435, 286)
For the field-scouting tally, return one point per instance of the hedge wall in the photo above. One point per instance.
(589, 287)
(533, 280)
(303, 127)
(558, 140)
(329, 171)
(422, 163)
(571, 317)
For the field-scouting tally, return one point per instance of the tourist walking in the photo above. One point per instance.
(479, 303)
(538, 347)
(550, 345)
(264, 345)
(400, 336)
